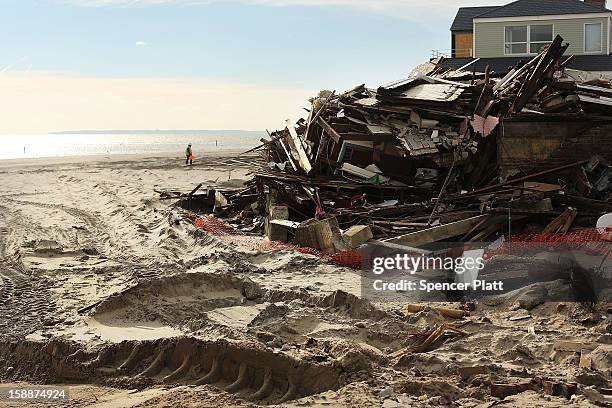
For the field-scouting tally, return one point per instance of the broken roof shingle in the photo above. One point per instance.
(524, 8)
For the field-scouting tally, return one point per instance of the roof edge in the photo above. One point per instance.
(603, 13)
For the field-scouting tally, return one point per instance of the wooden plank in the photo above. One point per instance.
(398, 247)
(286, 223)
(288, 155)
(528, 177)
(195, 189)
(544, 187)
(582, 202)
(570, 220)
(322, 143)
(220, 200)
(532, 84)
(439, 233)
(379, 130)
(598, 101)
(559, 223)
(329, 130)
(296, 143)
(595, 89)
(490, 230)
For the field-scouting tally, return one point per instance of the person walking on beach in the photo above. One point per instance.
(189, 155)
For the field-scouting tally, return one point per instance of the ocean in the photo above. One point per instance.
(114, 143)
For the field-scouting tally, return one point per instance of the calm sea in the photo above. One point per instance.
(78, 144)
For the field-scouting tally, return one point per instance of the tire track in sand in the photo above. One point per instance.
(25, 305)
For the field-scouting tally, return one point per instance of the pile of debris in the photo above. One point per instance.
(438, 156)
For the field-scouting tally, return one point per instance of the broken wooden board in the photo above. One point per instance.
(398, 247)
(598, 101)
(444, 311)
(298, 148)
(544, 187)
(379, 130)
(439, 233)
(562, 223)
(433, 92)
(286, 223)
(331, 132)
(220, 200)
(288, 155)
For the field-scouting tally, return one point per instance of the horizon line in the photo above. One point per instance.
(98, 131)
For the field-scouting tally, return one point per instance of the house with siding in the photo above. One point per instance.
(501, 36)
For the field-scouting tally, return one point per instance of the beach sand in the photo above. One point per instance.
(90, 234)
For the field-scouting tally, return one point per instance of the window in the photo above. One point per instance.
(539, 36)
(528, 39)
(592, 37)
(516, 40)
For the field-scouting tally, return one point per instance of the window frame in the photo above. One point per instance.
(601, 42)
(529, 42)
(526, 42)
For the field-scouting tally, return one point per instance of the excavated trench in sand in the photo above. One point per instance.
(245, 369)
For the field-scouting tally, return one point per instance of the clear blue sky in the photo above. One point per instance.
(284, 44)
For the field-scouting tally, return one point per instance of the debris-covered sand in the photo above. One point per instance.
(108, 289)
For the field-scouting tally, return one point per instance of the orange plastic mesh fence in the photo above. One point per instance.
(227, 233)
(588, 240)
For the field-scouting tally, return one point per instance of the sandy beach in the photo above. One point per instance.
(101, 279)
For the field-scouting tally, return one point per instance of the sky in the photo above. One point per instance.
(201, 64)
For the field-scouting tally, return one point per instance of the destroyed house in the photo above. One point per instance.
(502, 36)
(442, 154)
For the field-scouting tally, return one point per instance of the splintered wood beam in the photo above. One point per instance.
(329, 130)
(532, 84)
(439, 233)
(399, 247)
(298, 148)
(286, 223)
(562, 223)
(525, 178)
(322, 143)
(195, 189)
(442, 190)
(314, 118)
(288, 155)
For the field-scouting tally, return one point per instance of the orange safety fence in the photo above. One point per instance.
(588, 240)
(225, 232)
